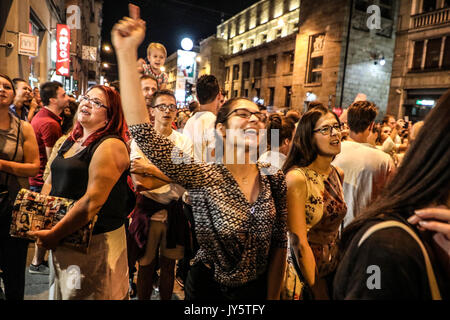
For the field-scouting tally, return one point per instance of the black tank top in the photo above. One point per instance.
(70, 179)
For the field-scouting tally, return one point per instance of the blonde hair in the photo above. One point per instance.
(158, 46)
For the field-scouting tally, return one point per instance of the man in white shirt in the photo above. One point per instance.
(366, 169)
(157, 200)
(200, 127)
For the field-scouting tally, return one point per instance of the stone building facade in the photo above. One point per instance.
(256, 49)
(421, 69)
(284, 53)
(339, 54)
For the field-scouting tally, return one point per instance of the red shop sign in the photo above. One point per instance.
(62, 50)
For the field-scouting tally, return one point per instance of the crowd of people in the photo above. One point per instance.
(179, 194)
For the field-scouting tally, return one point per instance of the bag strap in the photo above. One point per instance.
(15, 152)
(434, 288)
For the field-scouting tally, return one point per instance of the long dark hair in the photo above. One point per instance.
(423, 178)
(304, 151)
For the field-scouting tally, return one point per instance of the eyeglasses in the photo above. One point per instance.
(246, 114)
(326, 130)
(163, 107)
(94, 103)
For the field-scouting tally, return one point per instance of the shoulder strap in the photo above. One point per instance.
(15, 151)
(435, 293)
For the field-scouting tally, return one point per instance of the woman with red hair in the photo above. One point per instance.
(91, 168)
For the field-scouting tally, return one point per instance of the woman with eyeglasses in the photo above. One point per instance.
(316, 206)
(91, 168)
(240, 213)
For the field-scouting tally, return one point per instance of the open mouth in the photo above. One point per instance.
(84, 111)
(251, 132)
(335, 142)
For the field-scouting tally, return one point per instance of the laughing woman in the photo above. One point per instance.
(240, 213)
(316, 205)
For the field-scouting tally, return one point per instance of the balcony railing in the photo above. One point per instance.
(431, 18)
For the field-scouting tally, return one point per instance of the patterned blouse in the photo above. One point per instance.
(235, 236)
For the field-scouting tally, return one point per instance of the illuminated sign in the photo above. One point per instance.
(428, 103)
(62, 50)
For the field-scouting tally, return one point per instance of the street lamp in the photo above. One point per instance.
(187, 44)
(105, 65)
(107, 48)
(163, 69)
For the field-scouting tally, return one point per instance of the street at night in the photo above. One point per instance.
(224, 152)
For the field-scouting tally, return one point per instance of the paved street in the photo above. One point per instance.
(36, 286)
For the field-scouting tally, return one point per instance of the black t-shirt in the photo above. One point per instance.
(70, 179)
(396, 257)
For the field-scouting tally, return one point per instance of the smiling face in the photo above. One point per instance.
(327, 145)
(156, 58)
(166, 117)
(23, 93)
(90, 116)
(6, 93)
(385, 132)
(241, 131)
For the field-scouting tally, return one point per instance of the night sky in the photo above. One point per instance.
(169, 21)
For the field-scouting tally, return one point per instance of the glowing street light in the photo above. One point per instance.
(105, 65)
(163, 69)
(107, 48)
(187, 44)
(199, 59)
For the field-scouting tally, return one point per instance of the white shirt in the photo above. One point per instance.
(200, 129)
(366, 171)
(168, 192)
(275, 158)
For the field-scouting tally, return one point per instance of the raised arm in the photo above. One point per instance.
(126, 37)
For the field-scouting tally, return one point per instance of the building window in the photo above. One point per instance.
(264, 38)
(241, 47)
(433, 53)
(235, 93)
(236, 72)
(271, 96)
(315, 61)
(258, 93)
(227, 74)
(257, 68)
(252, 43)
(272, 64)
(288, 62)
(446, 60)
(428, 5)
(278, 34)
(417, 57)
(246, 70)
(246, 93)
(287, 96)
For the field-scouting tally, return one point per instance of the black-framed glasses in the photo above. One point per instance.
(94, 103)
(326, 130)
(247, 114)
(163, 107)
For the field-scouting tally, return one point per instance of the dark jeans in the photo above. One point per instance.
(183, 265)
(200, 285)
(13, 258)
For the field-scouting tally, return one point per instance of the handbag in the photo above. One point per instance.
(33, 211)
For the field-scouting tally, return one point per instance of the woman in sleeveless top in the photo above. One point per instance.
(316, 204)
(19, 159)
(91, 168)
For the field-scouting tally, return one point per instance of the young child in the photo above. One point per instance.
(156, 56)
